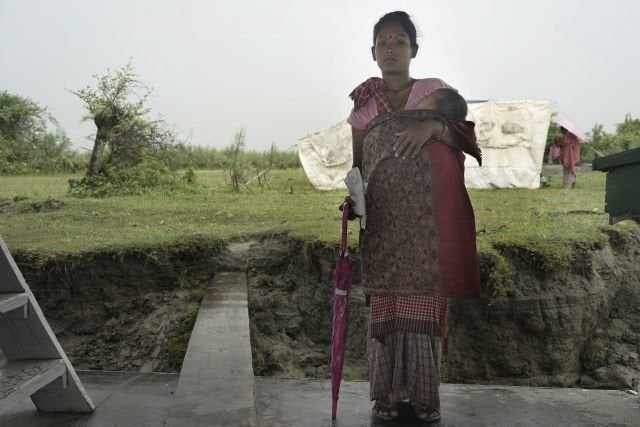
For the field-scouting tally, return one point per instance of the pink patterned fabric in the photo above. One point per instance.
(361, 116)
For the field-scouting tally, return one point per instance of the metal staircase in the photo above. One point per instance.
(35, 364)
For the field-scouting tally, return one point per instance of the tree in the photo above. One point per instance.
(602, 143)
(236, 168)
(30, 137)
(20, 118)
(628, 133)
(118, 108)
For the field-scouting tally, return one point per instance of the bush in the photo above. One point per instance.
(143, 178)
(189, 176)
(626, 137)
(204, 158)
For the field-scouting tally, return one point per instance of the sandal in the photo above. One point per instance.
(385, 411)
(428, 415)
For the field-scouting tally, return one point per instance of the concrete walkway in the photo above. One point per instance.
(126, 399)
(121, 399)
(308, 403)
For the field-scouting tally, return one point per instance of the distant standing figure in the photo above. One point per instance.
(569, 156)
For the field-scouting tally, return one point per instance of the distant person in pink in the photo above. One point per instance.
(569, 156)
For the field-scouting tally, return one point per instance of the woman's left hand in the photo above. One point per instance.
(411, 140)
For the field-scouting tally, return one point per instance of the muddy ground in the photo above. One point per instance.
(134, 310)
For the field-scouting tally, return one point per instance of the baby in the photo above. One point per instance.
(447, 102)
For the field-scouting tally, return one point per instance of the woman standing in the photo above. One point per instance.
(418, 247)
(569, 156)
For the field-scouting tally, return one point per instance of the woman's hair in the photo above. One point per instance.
(401, 18)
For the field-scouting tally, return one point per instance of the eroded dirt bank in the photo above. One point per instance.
(567, 327)
(134, 311)
(124, 310)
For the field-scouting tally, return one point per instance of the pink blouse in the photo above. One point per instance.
(360, 118)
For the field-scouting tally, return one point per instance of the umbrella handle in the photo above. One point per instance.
(344, 249)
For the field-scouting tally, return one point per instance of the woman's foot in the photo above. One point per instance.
(428, 415)
(385, 411)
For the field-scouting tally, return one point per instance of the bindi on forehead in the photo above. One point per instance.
(391, 36)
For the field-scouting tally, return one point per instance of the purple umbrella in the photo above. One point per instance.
(342, 276)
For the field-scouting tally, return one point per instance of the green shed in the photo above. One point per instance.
(622, 198)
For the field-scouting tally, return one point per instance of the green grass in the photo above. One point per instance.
(290, 204)
(546, 224)
(550, 221)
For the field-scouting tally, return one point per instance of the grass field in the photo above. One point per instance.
(548, 221)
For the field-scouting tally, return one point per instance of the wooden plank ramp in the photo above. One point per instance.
(216, 385)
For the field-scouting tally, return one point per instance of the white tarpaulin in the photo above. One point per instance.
(511, 134)
(326, 156)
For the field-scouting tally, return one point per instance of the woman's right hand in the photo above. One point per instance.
(352, 214)
(411, 140)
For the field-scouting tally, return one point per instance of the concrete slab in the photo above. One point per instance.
(127, 399)
(121, 399)
(308, 403)
(216, 380)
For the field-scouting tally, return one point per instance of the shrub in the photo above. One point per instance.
(145, 177)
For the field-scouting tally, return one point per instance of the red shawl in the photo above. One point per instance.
(420, 237)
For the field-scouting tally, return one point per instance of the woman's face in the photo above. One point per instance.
(393, 51)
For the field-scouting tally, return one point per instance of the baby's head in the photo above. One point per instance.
(447, 102)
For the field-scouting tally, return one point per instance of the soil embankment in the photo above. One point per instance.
(127, 310)
(573, 326)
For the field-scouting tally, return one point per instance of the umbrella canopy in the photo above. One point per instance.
(562, 120)
(343, 274)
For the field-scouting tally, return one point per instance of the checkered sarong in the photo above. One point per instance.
(403, 366)
(420, 314)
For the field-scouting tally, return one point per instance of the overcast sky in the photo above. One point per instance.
(283, 69)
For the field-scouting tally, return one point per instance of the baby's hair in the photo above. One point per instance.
(401, 18)
(451, 105)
